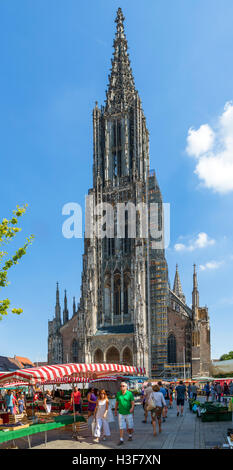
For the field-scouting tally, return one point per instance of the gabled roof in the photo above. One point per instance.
(24, 362)
(8, 364)
(187, 310)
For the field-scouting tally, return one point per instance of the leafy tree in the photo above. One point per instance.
(8, 230)
(227, 357)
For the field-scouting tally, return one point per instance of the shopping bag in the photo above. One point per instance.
(110, 417)
(151, 403)
(93, 426)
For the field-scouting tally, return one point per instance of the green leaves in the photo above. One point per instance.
(227, 357)
(8, 231)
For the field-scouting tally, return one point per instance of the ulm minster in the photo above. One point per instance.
(128, 313)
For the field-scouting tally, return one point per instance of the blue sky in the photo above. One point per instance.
(55, 60)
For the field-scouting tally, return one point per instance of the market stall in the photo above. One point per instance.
(57, 373)
(27, 430)
(91, 371)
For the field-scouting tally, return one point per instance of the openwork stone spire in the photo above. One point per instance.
(177, 288)
(74, 306)
(65, 311)
(121, 89)
(195, 293)
(57, 307)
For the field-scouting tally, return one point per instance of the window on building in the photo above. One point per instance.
(171, 349)
(74, 350)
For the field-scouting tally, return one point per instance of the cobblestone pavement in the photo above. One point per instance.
(187, 432)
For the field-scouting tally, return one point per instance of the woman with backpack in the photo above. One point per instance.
(156, 403)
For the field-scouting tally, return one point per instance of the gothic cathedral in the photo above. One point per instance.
(128, 314)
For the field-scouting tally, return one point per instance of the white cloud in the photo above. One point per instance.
(213, 148)
(180, 247)
(211, 265)
(202, 241)
(200, 141)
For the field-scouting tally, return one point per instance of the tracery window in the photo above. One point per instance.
(171, 349)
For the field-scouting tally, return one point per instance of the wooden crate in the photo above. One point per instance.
(15, 428)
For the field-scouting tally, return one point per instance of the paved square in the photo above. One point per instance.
(187, 432)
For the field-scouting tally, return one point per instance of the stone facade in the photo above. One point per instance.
(127, 312)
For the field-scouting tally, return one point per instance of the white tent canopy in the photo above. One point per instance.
(222, 367)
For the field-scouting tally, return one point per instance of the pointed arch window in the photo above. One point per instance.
(117, 294)
(171, 349)
(74, 350)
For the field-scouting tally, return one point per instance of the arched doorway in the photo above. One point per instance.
(127, 357)
(98, 357)
(113, 356)
(171, 349)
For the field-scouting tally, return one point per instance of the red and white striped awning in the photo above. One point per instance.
(67, 380)
(14, 384)
(54, 372)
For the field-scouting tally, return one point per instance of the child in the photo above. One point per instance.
(21, 404)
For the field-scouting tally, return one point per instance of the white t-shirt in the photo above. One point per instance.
(158, 399)
(101, 408)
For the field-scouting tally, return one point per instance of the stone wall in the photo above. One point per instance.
(177, 324)
(69, 333)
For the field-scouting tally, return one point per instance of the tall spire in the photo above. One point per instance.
(58, 307)
(177, 288)
(195, 293)
(74, 306)
(65, 311)
(121, 89)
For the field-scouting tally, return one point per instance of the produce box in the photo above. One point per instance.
(14, 428)
(210, 417)
(225, 416)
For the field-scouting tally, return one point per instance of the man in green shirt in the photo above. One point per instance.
(125, 403)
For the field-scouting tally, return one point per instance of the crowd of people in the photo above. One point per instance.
(13, 403)
(216, 390)
(156, 400)
(100, 413)
(212, 390)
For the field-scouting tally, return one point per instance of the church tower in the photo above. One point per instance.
(200, 334)
(55, 355)
(127, 312)
(124, 277)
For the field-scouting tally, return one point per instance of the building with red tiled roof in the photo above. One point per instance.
(8, 364)
(23, 362)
